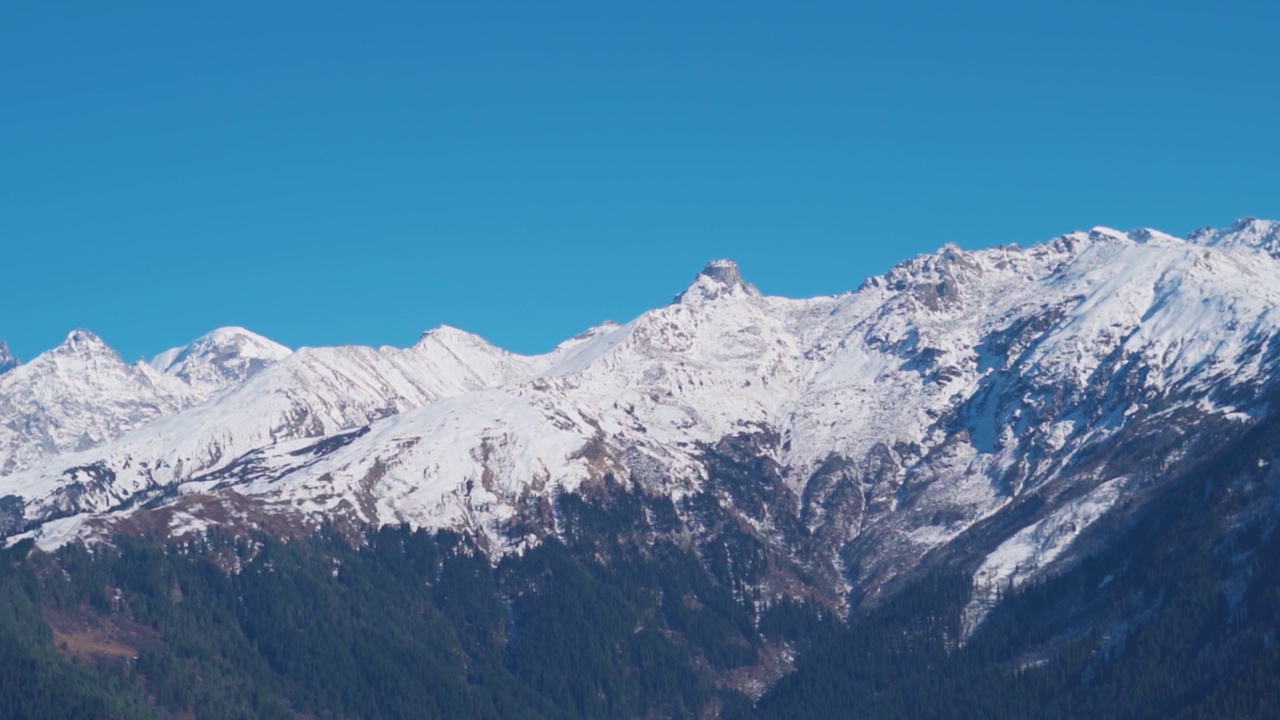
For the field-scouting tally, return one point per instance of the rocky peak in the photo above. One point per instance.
(83, 343)
(7, 360)
(718, 278)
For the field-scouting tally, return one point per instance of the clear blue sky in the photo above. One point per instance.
(326, 173)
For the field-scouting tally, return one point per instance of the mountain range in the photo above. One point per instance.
(976, 411)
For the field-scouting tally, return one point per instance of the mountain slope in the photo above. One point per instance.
(1170, 612)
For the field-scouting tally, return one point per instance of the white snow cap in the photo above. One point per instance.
(448, 334)
(223, 341)
(220, 359)
(82, 342)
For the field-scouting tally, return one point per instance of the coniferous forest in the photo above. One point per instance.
(1173, 614)
(397, 623)
(407, 624)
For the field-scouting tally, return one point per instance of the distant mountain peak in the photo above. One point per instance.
(219, 359)
(1249, 232)
(724, 270)
(231, 334)
(82, 342)
(7, 360)
(720, 277)
(447, 334)
(230, 340)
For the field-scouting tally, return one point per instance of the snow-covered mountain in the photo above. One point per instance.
(978, 408)
(81, 394)
(311, 393)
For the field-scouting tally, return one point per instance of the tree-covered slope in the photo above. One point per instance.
(1174, 614)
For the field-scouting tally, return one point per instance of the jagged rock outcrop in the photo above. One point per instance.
(7, 360)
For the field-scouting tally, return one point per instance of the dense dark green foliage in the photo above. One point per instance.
(1177, 615)
(34, 681)
(406, 625)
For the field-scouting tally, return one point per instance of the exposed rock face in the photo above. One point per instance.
(7, 360)
(717, 278)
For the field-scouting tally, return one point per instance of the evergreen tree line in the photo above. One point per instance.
(1175, 616)
(400, 624)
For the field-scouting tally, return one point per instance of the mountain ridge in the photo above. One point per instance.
(963, 399)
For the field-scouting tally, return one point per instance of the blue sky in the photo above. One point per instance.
(330, 173)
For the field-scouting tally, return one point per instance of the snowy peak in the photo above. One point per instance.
(452, 337)
(1246, 232)
(7, 360)
(939, 282)
(81, 394)
(77, 396)
(720, 278)
(221, 359)
(309, 393)
(82, 343)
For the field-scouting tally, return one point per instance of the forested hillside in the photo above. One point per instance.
(1174, 616)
